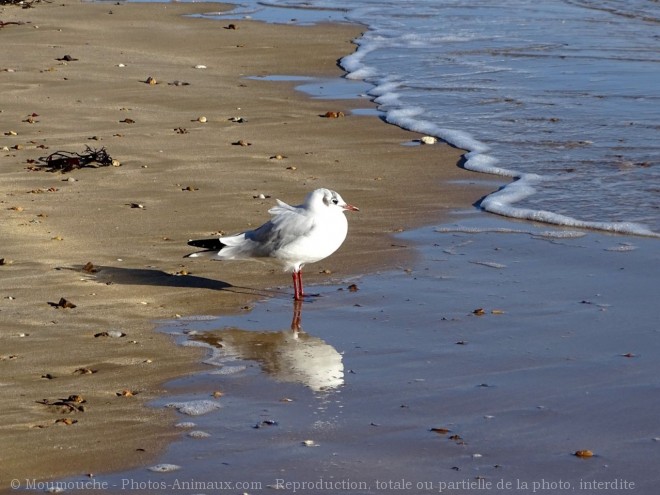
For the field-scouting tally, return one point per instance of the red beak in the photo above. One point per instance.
(351, 208)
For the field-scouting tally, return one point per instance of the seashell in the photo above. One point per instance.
(151, 80)
(66, 421)
(429, 140)
(333, 115)
(201, 119)
(238, 120)
(84, 371)
(116, 163)
(115, 334)
(584, 453)
(127, 393)
(310, 443)
(200, 66)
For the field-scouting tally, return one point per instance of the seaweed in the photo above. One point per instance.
(66, 161)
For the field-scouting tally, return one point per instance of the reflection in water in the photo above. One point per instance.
(288, 355)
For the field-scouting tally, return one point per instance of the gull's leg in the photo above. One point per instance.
(300, 284)
(297, 286)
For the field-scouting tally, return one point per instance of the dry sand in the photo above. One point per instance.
(190, 180)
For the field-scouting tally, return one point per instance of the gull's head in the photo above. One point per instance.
(326, 199)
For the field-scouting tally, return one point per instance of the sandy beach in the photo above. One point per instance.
(135, 79)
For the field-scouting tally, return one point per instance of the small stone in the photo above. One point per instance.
(200, 66)
(201, 119)
(429, 140)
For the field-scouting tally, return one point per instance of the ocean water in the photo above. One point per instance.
(562, 95)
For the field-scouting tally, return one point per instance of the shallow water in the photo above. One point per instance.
(563, 358)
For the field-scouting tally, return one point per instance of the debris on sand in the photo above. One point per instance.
(66, 161)
(63, 303)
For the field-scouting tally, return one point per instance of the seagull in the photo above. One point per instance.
(294, 236)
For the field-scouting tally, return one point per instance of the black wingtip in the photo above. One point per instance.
(208, 244)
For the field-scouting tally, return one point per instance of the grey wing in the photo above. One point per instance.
(286, 226)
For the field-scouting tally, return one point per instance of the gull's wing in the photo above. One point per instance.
(289, 224)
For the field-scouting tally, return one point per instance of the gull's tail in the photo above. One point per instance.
(210, 246)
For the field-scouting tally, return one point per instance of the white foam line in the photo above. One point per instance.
(476, 159)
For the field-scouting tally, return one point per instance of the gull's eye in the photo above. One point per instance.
(335, 201)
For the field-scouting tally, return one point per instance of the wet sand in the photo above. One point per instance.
(76, 380)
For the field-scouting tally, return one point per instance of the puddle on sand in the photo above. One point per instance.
(274, 14)
(332, 88)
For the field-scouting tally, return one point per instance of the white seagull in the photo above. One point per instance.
(295, 236)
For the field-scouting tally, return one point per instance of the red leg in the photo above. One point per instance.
(300, 284)
(297, 286)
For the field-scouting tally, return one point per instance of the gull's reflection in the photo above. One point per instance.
(289, 355)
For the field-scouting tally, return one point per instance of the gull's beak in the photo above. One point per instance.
(351, 207)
